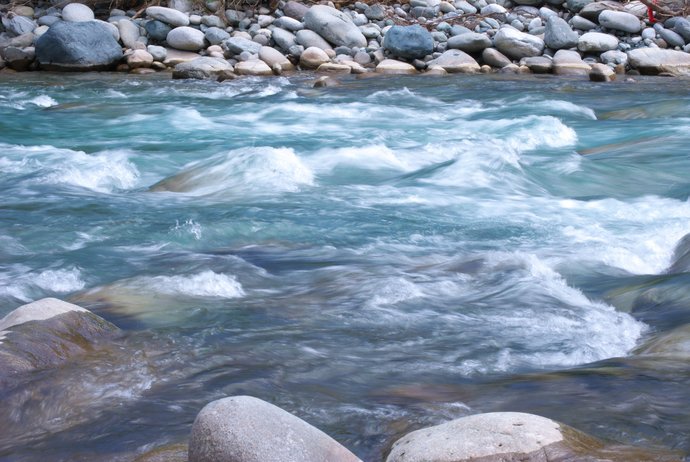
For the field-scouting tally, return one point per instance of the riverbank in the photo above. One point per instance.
(598, 40)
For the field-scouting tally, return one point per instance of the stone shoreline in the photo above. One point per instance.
(595, 39)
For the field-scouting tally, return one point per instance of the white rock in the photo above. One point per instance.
(271, 57)
(596, 41)
(77, 12)
(516, 44)
(186, 38)
(313, 57)
(392, 66)
(253, 67)
(619, 20)
(456, 61)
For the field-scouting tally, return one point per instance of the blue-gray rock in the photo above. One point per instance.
(614, 57)
(77, 46)
(409, 42)
(516, 44)
(493, 9)
(202, 68)
(283, 39)
(457, 29)
(558, 34)
(216, 35)
(157, 30)
(620, 20)
(471, 42)
(129, 32)
(576, 5)
(288, 23)
(682, 27)
(465, 7)
(234, 17)
(375, 12)
(334, 26)
(592, 11)
(495, 58)
(18, 25)
(247, 429)
(158, 53)
(536, 3)
(308, 38)
(211, 20)
(47, 20)
(237, 45)
(168, 15)
(672, 38)
(77, 12)
(580, 23)
(19, 59)
(186, 38)
(295, 10)
(423, 12)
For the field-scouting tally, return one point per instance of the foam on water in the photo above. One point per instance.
(64, 280)
(22, 283)
(257, 171)
(204, 284)
(105, 171)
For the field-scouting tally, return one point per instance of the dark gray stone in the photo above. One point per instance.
(409, 42)
(216, 35)
(672, 38)
(157, 30)
(202, 68)
(78, 46)
(295, 10)
(375, 12)
(682, 27)
(19, 59)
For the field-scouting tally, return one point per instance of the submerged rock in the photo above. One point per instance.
(247, 429)
(494, 437)
(673, 343)
(46, 333)
(78, 46)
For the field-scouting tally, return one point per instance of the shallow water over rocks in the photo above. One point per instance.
(375, 257)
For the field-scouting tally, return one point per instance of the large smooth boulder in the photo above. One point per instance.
(654, 61)
(202, 68)
(620, 20)
(410, 42)
(247, 429)
(78, 46)
(494, 437)
(335, 26)
(77, 12)
(186, 38)
(168, 15)
(456, 61)
(471, 42)
(516, 44)
(47, 333)
(558, 34)
(597, 42)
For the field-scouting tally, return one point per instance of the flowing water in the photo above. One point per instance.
(376, 257)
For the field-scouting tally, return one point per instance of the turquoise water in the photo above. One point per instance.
(375, 257)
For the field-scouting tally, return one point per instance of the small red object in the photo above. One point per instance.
(650, 13)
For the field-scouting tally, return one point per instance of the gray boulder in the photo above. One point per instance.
(682, 27)
(471, 42)
(78, 46)
(592, 11)
(411, 42)
(601, 73)
(375, 12)
(168, 15)
(202, 68)
(495, 58)
(580, 23)
(335, 26)
(77, 12)
(247, 429)
(576, 5)
(295, 10)
(620, 20)
(596, 41)
(456, 61)
(129, 33)
(558, 34)
(516, 44)
(186, 38)
(288, 23)
(671, 37)
(17, 25)
(538, 64)
(568, 62)
(216, 35)
(654, 61)
(614, 57)
(158, 53)
(494, 437)
(308, 38)
(283, 38)
(237, 45)
(157, 30)
(46, 333)
(19, 59)
(234, 17)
